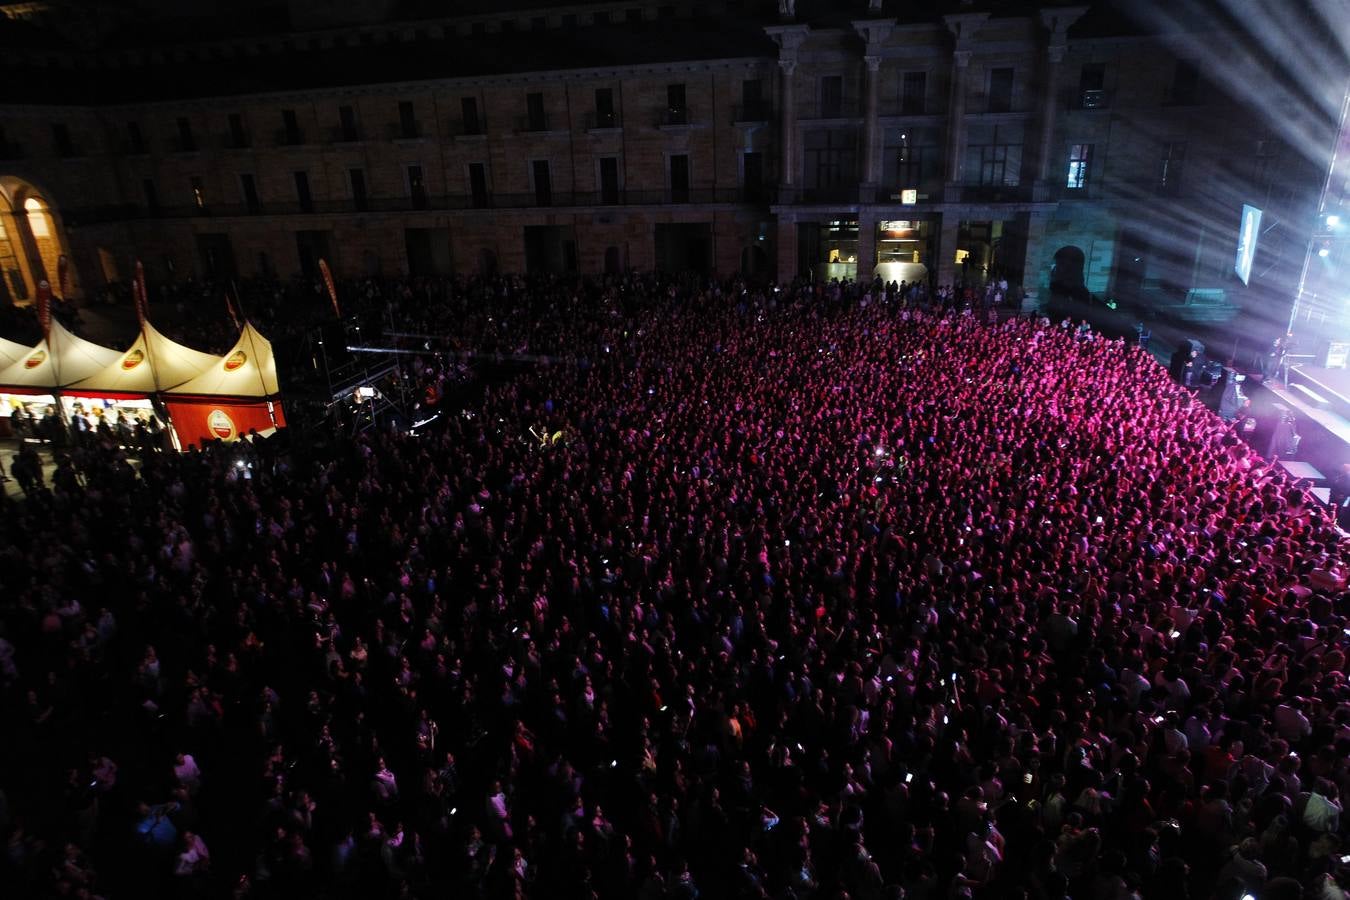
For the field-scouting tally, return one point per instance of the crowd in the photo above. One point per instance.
(799, 593)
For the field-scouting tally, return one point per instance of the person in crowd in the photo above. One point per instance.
(830, 590)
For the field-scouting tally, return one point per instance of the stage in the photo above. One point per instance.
(1319, 398)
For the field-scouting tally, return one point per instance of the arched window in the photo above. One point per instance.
(38, 222)
(43, 230)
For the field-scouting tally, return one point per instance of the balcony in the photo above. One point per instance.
(405, 131)
(844, 109)
(989, 193)
(673, 118)
(430, 202)
(534, 124)
(597, 121)
(1094, 99)
(466, 129)
(751, 113)
(844, 194)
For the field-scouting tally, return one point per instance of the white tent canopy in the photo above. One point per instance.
(60, 360)
(11, 352)
(248, 370)
(152, 364)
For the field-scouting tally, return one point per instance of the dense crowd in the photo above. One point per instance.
(810, 593)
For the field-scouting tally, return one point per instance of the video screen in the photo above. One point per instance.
(1246, 249)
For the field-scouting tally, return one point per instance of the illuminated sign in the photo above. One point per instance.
(221, 425)
(909, 197)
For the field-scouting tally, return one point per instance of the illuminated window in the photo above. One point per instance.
(1080, 157)
(37, 218)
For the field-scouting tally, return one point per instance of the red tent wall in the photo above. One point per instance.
(221, 419)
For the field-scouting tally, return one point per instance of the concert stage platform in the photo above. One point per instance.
(1320, 399)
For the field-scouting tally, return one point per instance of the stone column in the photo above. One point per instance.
(1054, 56)
(787, 125)
(956, 117)
(946, 249)
(871, 138)
(867, 246)
(785, 248)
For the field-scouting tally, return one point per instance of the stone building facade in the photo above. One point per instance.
(1038, 142)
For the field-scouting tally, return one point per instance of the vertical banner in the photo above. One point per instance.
(138, 293)
(44, 307)
(63, 276)
(229, 308)
(328, 283)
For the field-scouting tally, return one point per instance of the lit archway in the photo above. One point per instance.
(43, 230)
(33, 241)
(13, 286)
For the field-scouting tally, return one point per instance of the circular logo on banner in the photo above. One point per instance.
(35, 360)
(235, 361)
(221, 425)
(133, 359)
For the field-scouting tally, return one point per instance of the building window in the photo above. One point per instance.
(237, 137)
(468, 109)
(135, 139)
(478, 187)
(302, 193)
(910, 161)
(993, 165)
(61, 139)
(1092, 86)
(679, 178)
(752, 175)
(290, 125)
(1080, 159)
(831, 96)
(360, 199)
(248, 187)
(994, 155)
(347, 123)
(417, 187)
(1000, 90)
(1169, 175)
(198, 192)
(186, 142)
(677, 112)
(914, 94)
(407, 120)
(535, 119)
(1185, 83)
(830, 158)
(753, 107)
(542, 182)
(604, 108)
(609, 179)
